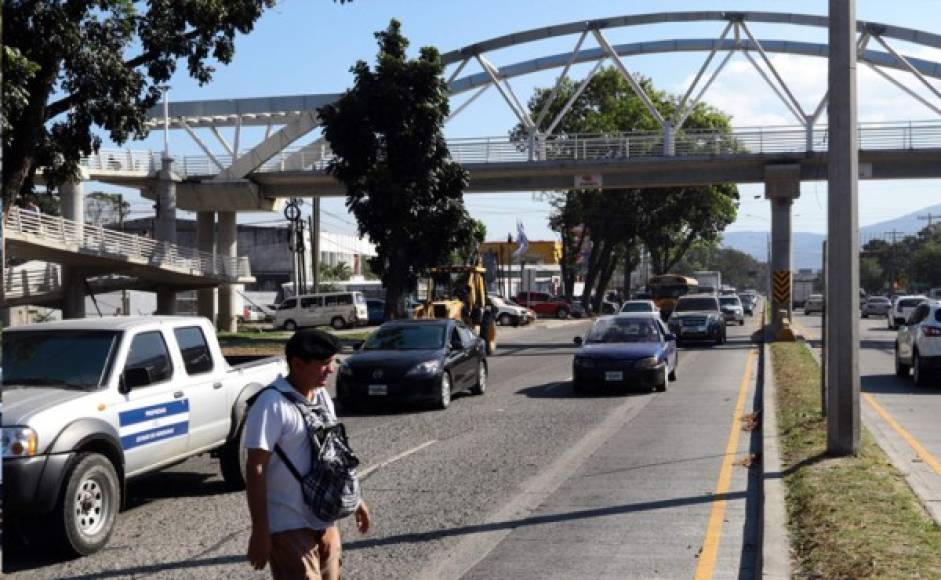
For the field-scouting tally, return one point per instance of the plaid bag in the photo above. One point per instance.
(331, 487)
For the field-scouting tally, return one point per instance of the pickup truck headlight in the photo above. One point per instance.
(345, 370)
(650, 362)
(19, 442)
(430, 367)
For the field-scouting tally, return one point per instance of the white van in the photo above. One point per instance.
(338, 309)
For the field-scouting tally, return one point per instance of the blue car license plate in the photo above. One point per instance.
(614, 376)
(378, 390)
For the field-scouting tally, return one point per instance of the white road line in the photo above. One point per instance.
(372, 468)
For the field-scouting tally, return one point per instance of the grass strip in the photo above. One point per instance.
(849, 517)
(272, 342)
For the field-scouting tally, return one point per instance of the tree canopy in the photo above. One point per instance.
(911, 263)
(71, 68)
(614, 222)
(390, 153)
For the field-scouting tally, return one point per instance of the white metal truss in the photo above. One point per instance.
(638, 90)
(558, 85)
(258, 155)
(506, 91)
(202, 145)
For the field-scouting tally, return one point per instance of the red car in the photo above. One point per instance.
(544, 304)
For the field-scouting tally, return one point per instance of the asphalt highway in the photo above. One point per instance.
(526, 481)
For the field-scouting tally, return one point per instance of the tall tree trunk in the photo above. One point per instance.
(19, 159)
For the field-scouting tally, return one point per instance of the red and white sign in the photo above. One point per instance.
(588, 181)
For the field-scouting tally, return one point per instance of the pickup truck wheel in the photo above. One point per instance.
(505, 319)
(231, 462)
(290, 325)
(901, 370)
(338, 323)
(89, 504)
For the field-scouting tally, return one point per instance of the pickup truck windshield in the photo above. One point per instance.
(402, 337)
(76, 359)
(696, 304)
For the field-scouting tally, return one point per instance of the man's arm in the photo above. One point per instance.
(256, 490)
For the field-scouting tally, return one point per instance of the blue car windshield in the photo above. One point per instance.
(612, 330)
(406, 337)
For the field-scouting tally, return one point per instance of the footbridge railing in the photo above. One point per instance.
(32, 225)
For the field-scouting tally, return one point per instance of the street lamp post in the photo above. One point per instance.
(165, 89)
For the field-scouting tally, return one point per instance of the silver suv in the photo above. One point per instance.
(918, 344)
(698, 317)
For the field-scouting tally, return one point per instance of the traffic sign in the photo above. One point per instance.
(292, 212)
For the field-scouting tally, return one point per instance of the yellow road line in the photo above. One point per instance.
(710, 547)
(921, 451)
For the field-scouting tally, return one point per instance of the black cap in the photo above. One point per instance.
(311, 344)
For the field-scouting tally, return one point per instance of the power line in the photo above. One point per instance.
(929, 216)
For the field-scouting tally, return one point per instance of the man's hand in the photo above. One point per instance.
(362, 517)
(259, 549)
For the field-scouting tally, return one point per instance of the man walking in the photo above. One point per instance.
(285, 533)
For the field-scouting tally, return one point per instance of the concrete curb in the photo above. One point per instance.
(775, 543)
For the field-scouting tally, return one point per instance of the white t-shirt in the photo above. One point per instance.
(274, 419)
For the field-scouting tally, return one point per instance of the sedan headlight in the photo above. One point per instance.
(19, 442)
(650, 362)
(430, 367)
(584, 363)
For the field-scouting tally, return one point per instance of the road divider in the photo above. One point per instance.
(920, 450)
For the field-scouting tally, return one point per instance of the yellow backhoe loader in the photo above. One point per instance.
(460, 293)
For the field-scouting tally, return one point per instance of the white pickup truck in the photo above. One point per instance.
(90, 404)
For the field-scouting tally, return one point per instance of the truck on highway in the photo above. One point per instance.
(90, 404)
(802, 286)
(709, 281)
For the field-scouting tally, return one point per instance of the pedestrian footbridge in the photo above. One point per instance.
(110, 260)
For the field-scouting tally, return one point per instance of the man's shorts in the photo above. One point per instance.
(306, 553)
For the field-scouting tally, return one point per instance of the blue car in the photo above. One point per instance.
(624, 351)
(376, 311)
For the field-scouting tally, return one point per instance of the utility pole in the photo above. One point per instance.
(929, 217)
(842, 299)
(125, 303)
(894, 234)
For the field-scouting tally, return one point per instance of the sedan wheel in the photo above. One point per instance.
(505, 319)
(481, 387)
(901, 370)
(919, 376)
(562, 313)
(444, 396)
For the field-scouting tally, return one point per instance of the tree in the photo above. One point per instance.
(102, 208)
(71, 67)
(402, 186)
(666, 220)
(467, 252)
(871, 276)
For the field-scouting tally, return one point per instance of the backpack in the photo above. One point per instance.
(331, 488)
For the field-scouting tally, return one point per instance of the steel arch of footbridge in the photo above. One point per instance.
(298, 113)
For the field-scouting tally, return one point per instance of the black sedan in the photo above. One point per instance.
(425, 360)
(624, 351)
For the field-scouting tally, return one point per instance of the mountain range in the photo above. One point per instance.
(808, 247)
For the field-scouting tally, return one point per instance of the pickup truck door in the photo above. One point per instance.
(210, 401)
(153, 413)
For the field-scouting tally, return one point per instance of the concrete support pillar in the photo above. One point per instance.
(782, 186)
(72, 199)
(166, 202)
(842, 299)
(669, 139)
(166, 226)
(166, 301)
(205, 234)
(227, 246)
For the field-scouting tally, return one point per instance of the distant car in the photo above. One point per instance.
(732, 309)
(509, 313)
(876, 306)
(257, 313)
(639, 306)
(902, 309)
(376, 311)
(426, 359)
(748, 303)
(544, 304)
(624, 351)
(918, 345)
(814, 303)
(698, 317)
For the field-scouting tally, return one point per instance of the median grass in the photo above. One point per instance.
(261, 342)
(851, 517)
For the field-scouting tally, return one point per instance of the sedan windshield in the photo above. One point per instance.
(609, 330)
(58, 358)
(406, 337)
(694, 304)
(637, 307)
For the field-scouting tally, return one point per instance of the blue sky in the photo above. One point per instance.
(308, 46)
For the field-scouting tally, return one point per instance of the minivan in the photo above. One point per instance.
(338, 309)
